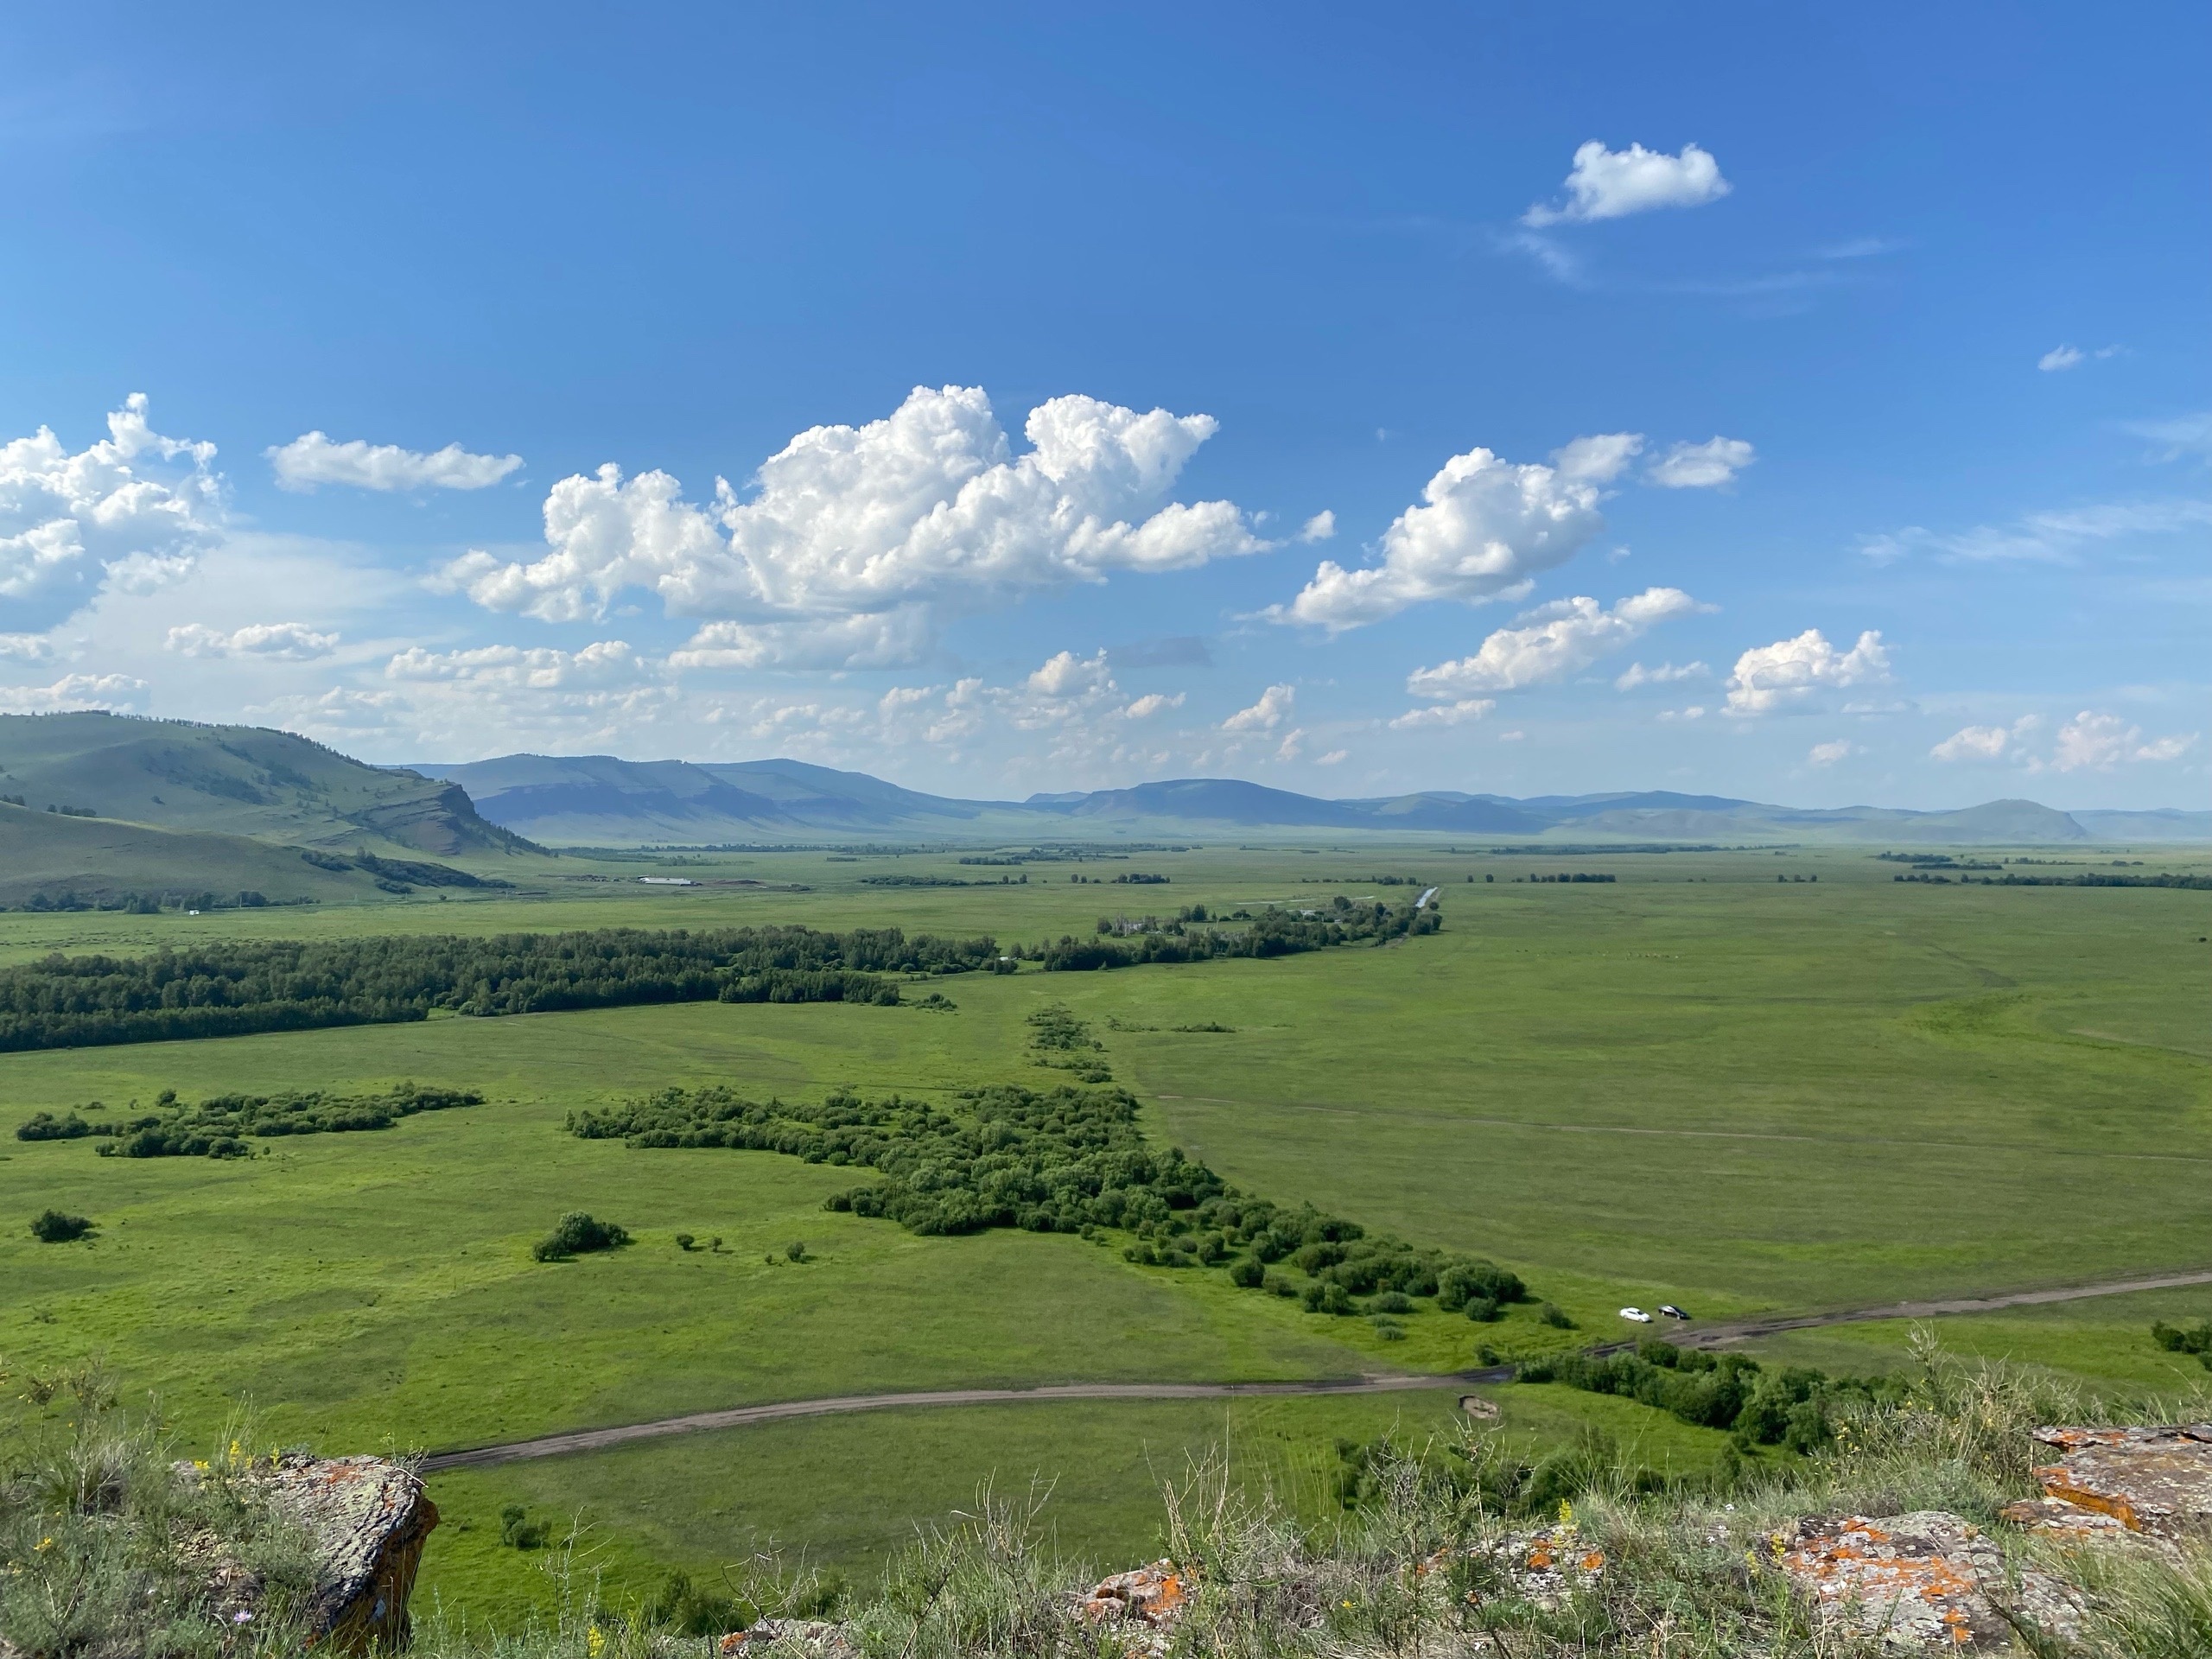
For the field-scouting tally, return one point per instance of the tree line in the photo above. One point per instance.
(1065, 1160)
(223, 988)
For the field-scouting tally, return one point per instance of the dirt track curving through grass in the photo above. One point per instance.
(1695, 1334)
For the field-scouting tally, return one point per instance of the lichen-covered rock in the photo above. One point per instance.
(1150, 1599)
(1545, 1566)
(819, 1638)
(2155, 1481)
(368, 1518)
(1924, 1582)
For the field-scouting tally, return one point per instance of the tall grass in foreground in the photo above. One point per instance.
(1428, 1565)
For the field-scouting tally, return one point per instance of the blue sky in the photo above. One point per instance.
(1809, 406)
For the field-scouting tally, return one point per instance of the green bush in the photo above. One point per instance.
(795, 1251)
(684, 1242)
(45, 1126)
(53, 1227)
(1247, 1274)
(518, 1531)
(1551, 1314)
(577, 1234)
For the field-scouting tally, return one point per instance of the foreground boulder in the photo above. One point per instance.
(368, 1518)
(2110, 1483)
(1924, 1582)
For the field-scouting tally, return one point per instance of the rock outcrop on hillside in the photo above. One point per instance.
(368, 1519)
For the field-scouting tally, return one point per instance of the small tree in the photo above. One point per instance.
(796, 1251)
(53, 1227)
(684, 1241)
(577, 1233)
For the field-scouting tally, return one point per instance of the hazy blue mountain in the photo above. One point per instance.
(603, 799)
(2164, 825)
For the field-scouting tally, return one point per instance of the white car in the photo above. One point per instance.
(1637, 1314)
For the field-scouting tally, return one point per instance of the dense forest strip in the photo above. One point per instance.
(230, 988)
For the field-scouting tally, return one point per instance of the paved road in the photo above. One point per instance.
(1697, 1334)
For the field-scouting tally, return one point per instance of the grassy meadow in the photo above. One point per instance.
(1698, 1083)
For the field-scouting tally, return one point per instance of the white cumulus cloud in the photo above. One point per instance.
(604, 663)
(284, 642)
(1790, 671)
(1270, 711)
(117, 691)
(1319, 528)
(1666, 674)
(1484, 528)
(2093, 741)
(1153, 703)
(1446, 714)
(2059, 358)
(925, 512)
(130, 512)
(1551, 642)
(1827, 755)
(1612, 183)
(1987, 742)
(312, 459)
(1702, 466)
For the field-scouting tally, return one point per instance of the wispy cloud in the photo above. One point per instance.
(2058, 536)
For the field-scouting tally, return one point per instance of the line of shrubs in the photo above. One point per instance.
(1066, 1161)
(1791, 1407)
(1269, 933)
(221, 1125)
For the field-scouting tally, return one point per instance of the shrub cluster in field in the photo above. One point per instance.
(579, 1234)
(220, 1126)
(1794, 1407)
(1066, 1161)
(1270, 932)
(2185, 1339)
(225, 988)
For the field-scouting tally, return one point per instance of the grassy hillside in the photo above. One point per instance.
(49, 859)
(235, 781)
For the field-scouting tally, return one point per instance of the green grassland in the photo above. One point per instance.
(1696, 1084)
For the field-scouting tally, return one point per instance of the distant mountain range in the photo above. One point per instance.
(602, 800)
(171, 807)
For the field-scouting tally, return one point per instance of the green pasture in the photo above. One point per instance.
(843, 1494)
(1696, 1084)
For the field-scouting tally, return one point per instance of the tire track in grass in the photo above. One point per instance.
(1695, 1335)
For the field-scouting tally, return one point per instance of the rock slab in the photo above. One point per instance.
(369, 1518)
(1926, 1582)
(2155, 1482)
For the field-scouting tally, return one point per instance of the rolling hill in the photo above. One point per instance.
(236, 780)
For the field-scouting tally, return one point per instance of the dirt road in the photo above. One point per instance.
(1697, 1333)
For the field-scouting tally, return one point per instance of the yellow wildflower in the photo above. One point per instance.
(45, 1544)
(596, 1641)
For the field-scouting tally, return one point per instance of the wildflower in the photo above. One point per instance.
(596, 1641)
(236, 1452)
(45, 1544)
(242, 1617)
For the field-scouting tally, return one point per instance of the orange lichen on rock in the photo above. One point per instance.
(2156, 1481)
(1921, 1581)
